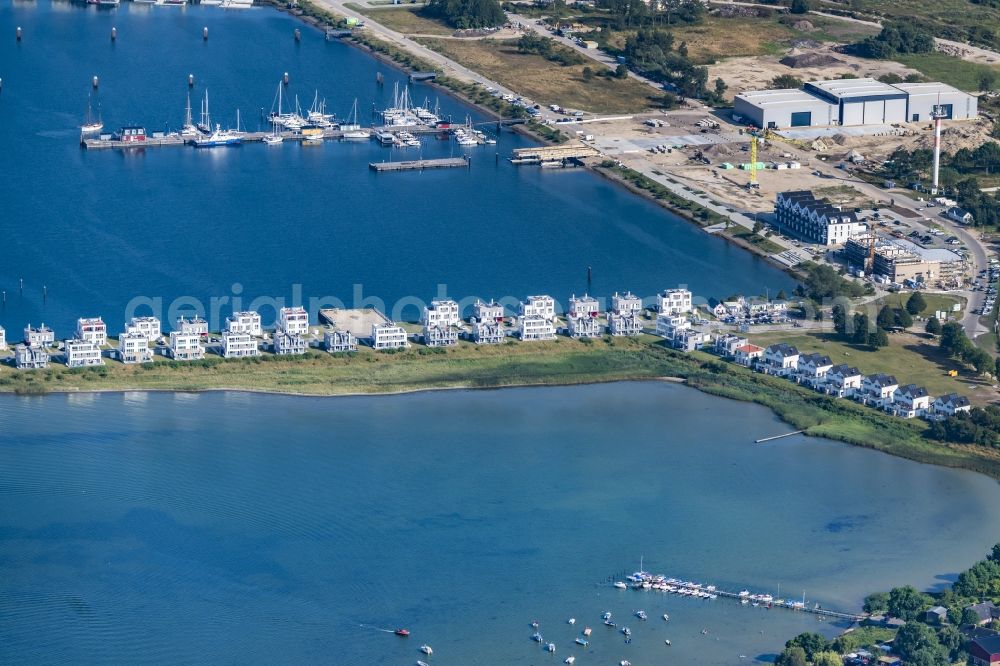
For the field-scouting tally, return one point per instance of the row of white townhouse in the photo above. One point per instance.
(817, 371)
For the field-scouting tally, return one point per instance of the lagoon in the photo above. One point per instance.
(229, 527)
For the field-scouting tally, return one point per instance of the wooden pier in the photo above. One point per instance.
(419, 165)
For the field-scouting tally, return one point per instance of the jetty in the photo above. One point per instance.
(418, 165)
(550, 154)
(642, 580)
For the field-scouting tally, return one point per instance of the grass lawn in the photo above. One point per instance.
(940, 67)
(911, 358)
(543, 81)
(934, 302)
(748, 236)
(406, 20)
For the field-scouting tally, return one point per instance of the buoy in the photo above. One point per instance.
(204, 33)
(114, 34)
(95, 81)
(190, 80)
(284, 79)
(18, 33)
(45, 292)
(1, 84)
(298, 35)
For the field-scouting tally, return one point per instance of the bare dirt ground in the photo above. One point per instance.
(756, 72)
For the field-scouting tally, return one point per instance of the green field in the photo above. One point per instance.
(409, 21)
(953, 71)
(950, 19)
(934, 303)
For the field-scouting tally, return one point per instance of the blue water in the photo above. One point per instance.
(236, 528)
(99, 228)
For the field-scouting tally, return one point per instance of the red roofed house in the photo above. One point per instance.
(984, 651)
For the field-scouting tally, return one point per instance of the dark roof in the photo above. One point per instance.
(783, 349)
(985, 610)
(845, 370)
(989, 644)
(882, 379)
(913, 390)
(816, 359)
(955, 399)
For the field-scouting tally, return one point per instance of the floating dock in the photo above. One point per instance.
(418, 165)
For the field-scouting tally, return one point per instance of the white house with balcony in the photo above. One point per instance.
(148, 326)
(669, 325)
(3, 339)
(689, 339)
(624, 324)
(133, 347)
(239, 345)
(488, 332)
(294, 320)
(780, 359)
(539, 306)
(30, 358)
(185, 346)
(442, 312)
(287, 343)
(727, 344)
(82, 353)
(536, 327)
(440, 335)
(842, 381)
(336, 341)
(582, 317)
(626, 304)
(39, 337)
(674, 301)
(389, 335)
(812, 369)
(877, 390)
(92, 329)
(491, 311)
(244, 322)
(910, 401)
(949, 405)
(748, 355)
(195, 325)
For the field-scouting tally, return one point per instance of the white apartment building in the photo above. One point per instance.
(92, 329)
(388, 336)
(539, 306)
(842, 381)
(133, 347)
(877, 390)
(186, 346)
(488, 312)
(674, 301)
(582, 317)
(781, 359)
(244, 322)
(488, 332)
(3, 339)
(668, 325)
(441, 312)
(30, 358)
(294, 321)
(536, 327)
(239, 345)
(440, 335)
(82, 353)
(335, 341)
(148, 326)
(624, 324)
(195, 325)
(39, 337)
(286, 343)
(627, 303)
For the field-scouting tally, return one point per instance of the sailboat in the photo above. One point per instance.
(190, 130)
(273, 139)
(351, 129)
(205, 125)
(221, 137)
(92, 127)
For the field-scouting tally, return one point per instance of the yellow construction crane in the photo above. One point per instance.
(756, 135)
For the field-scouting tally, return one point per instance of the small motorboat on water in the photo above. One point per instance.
(584, 643)
(606, 615)
(626, 631)
(624, 662)
(609, 623)
(550, 647)
(534, 624)
(572, 620)
(667, 642)
(665, 617)
(586, 631)
(422, 663)
(426, 649)
(537, 637)
(402, 632)
(569, 660)
(641, 614)
(620, 585)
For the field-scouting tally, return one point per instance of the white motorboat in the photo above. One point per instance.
(426, 649)
(619, 584)
(569, 660)
(537, 637)
(572, 620)
(550, 647)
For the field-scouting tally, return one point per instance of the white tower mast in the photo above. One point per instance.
(937, 113)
